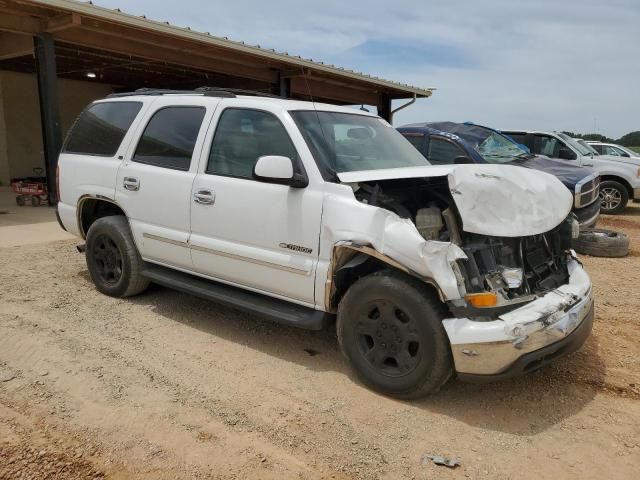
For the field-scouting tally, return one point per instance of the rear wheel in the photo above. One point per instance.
(613, 197)
(113, 260)
(390, 328)
(20, 200)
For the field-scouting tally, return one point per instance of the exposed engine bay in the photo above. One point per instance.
(514, 267)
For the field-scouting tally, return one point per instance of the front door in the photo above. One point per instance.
(154, 181)
(257, 235)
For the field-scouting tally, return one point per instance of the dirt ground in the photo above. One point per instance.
(166, 386)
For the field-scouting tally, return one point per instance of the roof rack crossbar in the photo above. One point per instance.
(206, 91)
(162, 91)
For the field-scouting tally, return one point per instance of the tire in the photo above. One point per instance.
(598, 242)
(613, 197)
(20, 200)
(35, 201)
(390, 329)
(112, 258)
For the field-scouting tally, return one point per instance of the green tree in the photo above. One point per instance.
(631, 139)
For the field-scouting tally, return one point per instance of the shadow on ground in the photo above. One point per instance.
(524, 406)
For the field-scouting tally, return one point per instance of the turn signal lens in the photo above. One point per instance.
(485, 299)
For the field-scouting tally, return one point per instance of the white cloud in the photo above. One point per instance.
(538, 64)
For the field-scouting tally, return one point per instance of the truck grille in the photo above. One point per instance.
(587, 192)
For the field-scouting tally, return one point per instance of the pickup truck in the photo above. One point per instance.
(449, 142)
(310, 214)
(619, 176)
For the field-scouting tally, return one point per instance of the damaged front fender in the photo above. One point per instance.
(395, 240)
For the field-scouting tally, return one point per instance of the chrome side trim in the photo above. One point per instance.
(151, 236)
(263, 263)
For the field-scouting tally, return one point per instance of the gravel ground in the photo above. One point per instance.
(168, 386)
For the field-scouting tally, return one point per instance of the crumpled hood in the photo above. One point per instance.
(497, 200)
(570, 175)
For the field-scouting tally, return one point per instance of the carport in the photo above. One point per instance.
(58, 55)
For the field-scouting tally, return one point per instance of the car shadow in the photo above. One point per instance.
(524, 406)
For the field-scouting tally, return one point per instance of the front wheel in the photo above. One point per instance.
(390, 328)
(113, 260)
(613, 197)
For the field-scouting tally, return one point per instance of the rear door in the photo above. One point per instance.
(154, 181)
(257, 235)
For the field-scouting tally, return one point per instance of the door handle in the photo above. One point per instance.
(131, 183)
(587, 164)
(204, 197)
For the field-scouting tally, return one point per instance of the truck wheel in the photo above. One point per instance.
(20, 200)
(613, 197)
(35, 201)
(113, 260)
(390, 328)
(598, 242)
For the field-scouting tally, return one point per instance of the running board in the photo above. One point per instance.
(274, 309)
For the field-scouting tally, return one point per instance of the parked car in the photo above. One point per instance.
(308, 213)
(450, 142)
(613, 149)
(619, 176)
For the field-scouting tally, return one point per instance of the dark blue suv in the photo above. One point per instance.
(450, 142)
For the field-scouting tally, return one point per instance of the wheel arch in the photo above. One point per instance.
(92, 207)
(349, 262)
(621, 180)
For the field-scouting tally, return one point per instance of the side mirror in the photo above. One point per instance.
(279, 170)
(462, 159)
(566, 154)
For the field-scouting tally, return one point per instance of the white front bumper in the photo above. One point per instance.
(490, 347)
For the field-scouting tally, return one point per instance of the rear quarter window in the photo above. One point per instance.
(100, 128)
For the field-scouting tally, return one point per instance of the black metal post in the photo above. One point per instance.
(45, 54)
(384, 106)
(285, 87)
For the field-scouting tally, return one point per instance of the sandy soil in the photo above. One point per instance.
(168, 386)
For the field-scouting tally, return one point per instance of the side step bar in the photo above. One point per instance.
(274, 309)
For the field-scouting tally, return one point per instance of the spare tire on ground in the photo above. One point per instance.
(598, 242)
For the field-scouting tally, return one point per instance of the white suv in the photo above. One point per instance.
(619, 176)
(308, 213)
(613, 149)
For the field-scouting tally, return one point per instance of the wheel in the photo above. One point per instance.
(112, 258)
(598, 242)
(390, 328)
(20, 200)
(613, 197)
(35, 201)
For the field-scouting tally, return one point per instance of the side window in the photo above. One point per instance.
(242, 136)
(597, 148)
(608, 150)
(100, 128)
(442, 152)
(517, 137)
(415, 139)
(545, 145)
(169, 137)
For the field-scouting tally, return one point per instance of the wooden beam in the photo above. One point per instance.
(319, 89)
(19, 24)
(13, 45)
(62, 22)
(165, 52)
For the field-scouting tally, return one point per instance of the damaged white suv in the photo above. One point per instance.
(308, 213)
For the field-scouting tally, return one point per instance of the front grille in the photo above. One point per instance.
(587, 192)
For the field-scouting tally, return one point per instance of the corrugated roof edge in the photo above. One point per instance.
(89, 9)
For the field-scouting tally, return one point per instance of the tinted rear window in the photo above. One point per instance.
(99, 130)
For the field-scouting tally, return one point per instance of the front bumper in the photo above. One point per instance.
(588, 216)
(526, 338)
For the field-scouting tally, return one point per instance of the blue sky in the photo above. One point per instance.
(539, 64)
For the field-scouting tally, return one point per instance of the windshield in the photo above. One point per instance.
(346, 142)
(578, 146)
(497, 148)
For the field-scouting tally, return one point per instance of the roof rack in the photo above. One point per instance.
(206, 91)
